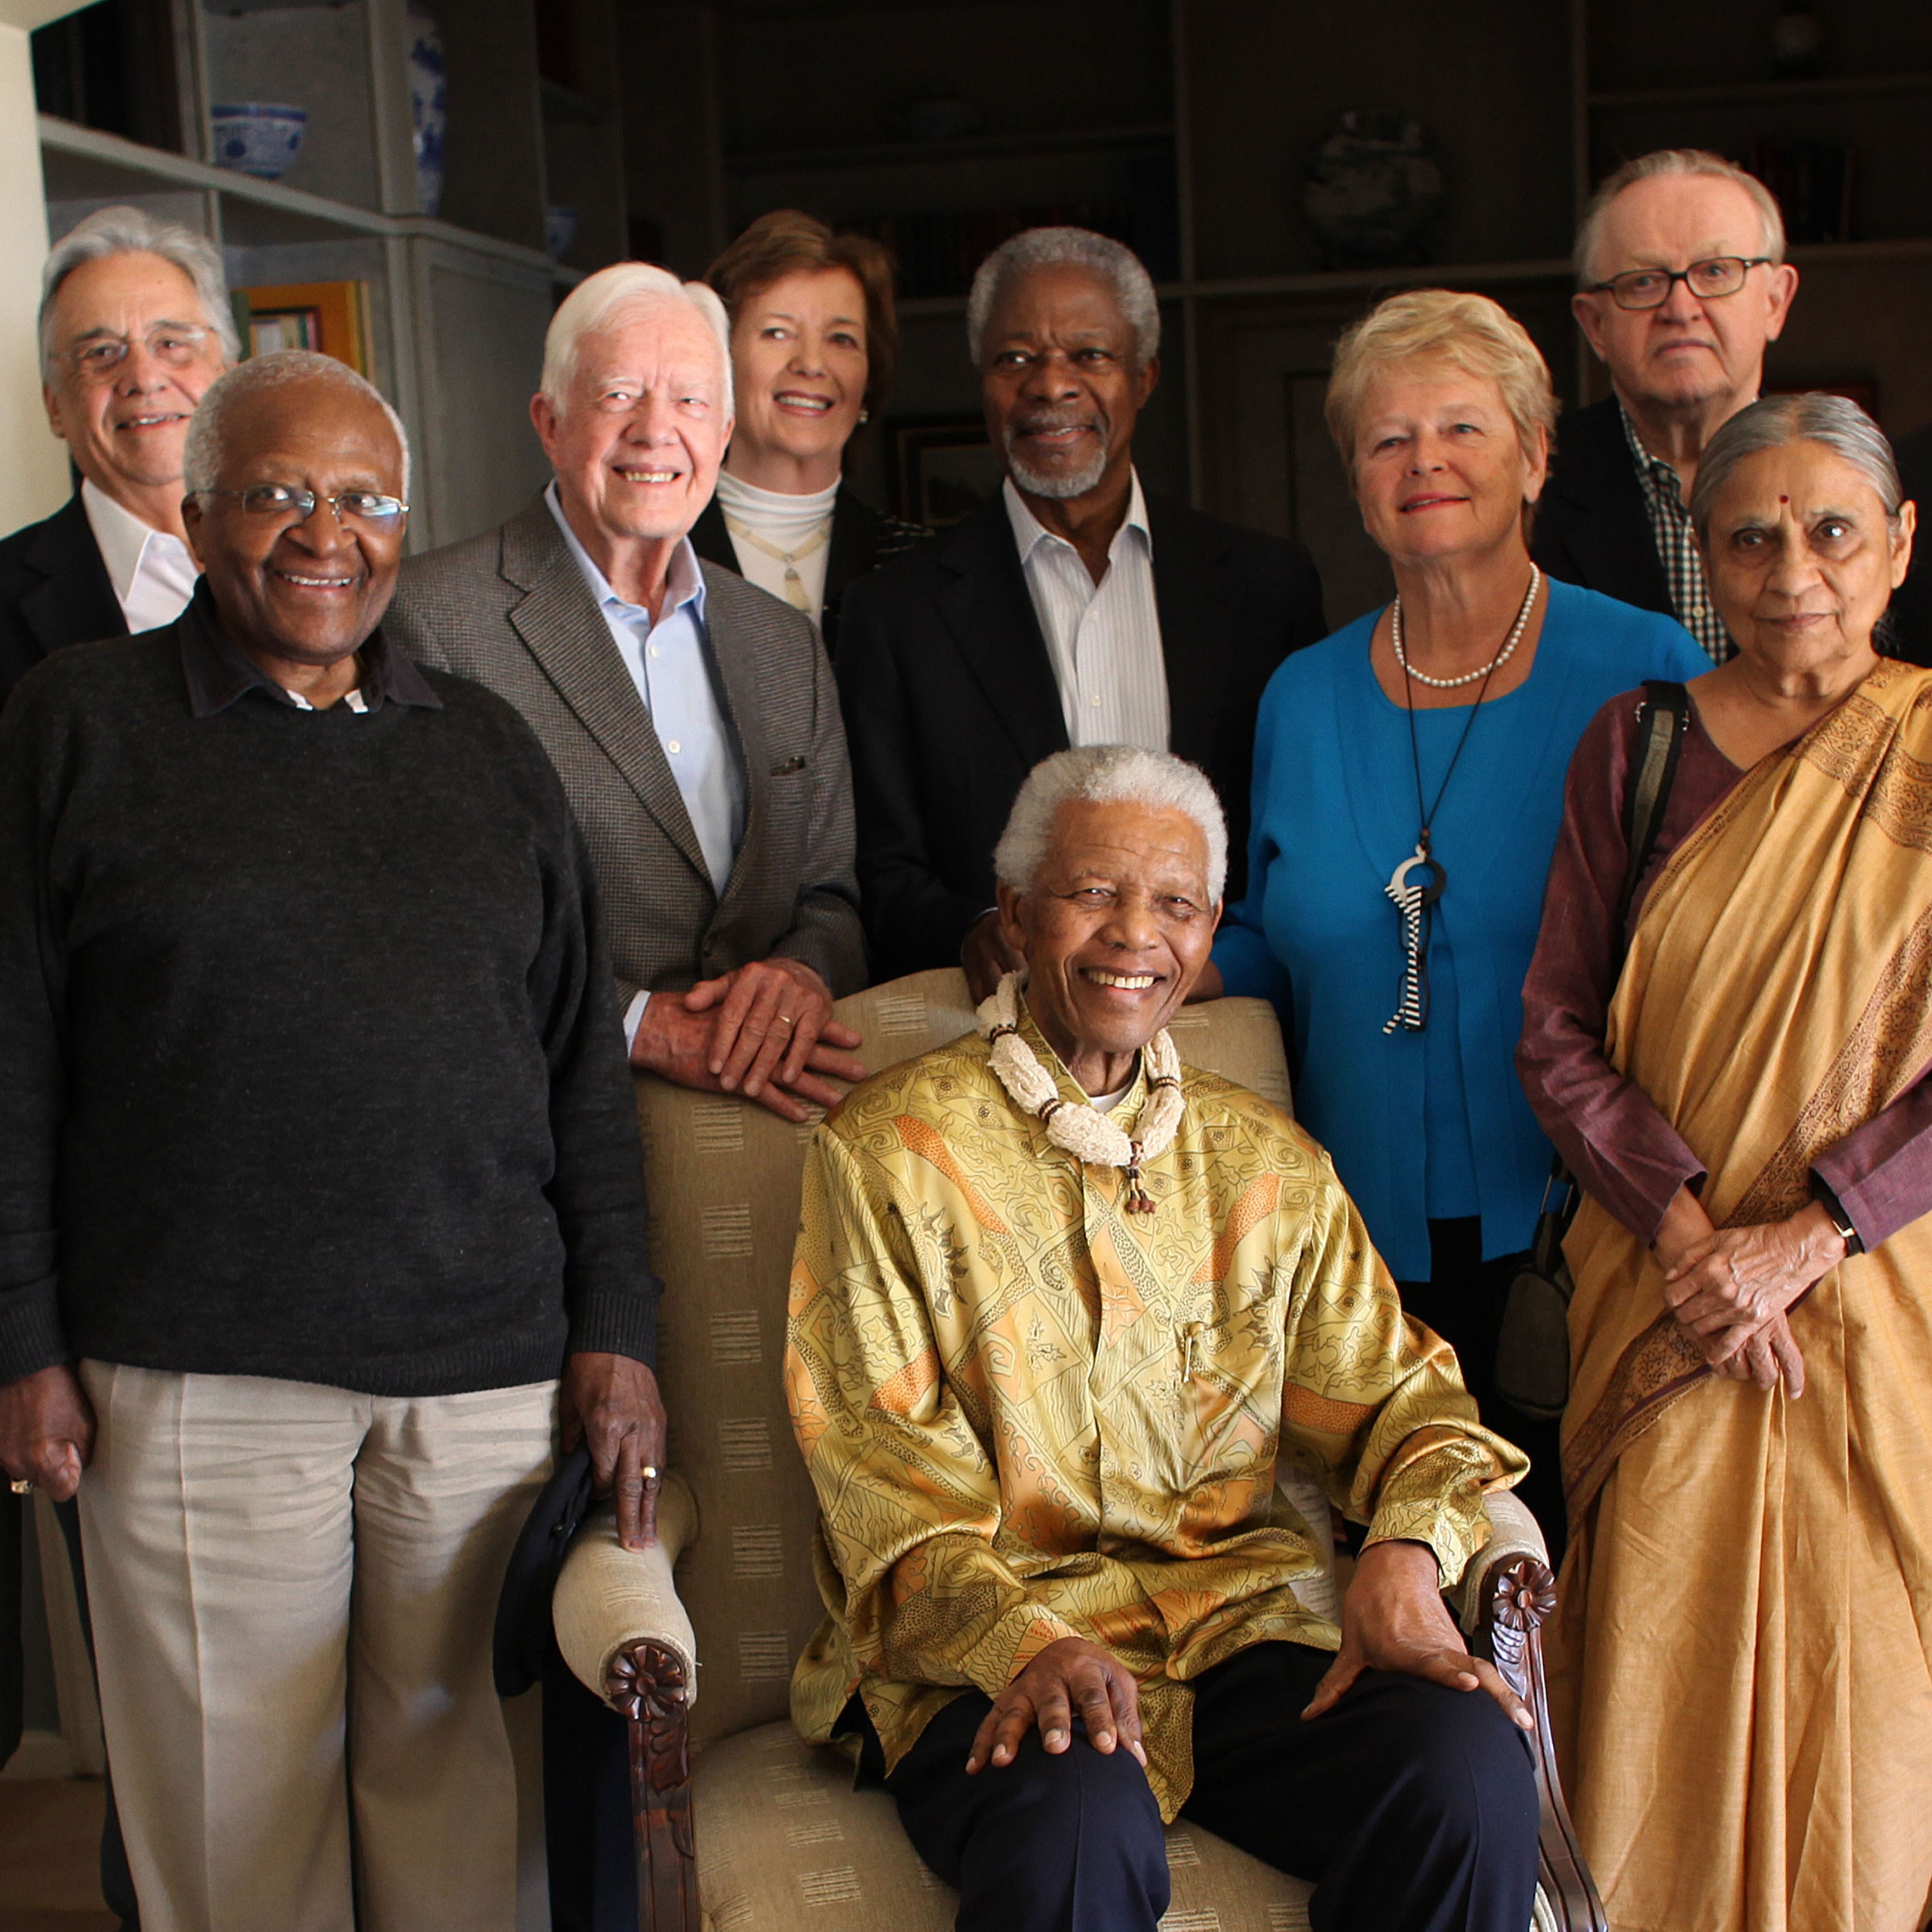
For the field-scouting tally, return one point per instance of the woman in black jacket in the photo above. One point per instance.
(813, 339)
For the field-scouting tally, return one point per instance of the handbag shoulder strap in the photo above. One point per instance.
(1662, 720)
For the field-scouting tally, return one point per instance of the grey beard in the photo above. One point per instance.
(1059, 485)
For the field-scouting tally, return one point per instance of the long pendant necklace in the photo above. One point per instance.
(1413, 902)
(795, 594)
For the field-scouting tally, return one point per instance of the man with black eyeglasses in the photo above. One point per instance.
(321, 1207)
(134, 326)
(1682, 284)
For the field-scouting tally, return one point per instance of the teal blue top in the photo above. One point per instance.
(1428, 1126)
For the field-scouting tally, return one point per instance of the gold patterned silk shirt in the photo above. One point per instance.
(1030, 1414)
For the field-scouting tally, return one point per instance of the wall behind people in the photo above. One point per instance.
(34, 479)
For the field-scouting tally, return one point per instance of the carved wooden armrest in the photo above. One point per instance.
(1517, 1595)
(647, 1681)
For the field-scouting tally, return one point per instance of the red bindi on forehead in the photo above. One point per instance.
(1784, 499)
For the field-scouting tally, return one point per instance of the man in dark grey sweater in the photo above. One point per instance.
(320, 1194)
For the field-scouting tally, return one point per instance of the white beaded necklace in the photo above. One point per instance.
(1495, 664)
(1082, 1129)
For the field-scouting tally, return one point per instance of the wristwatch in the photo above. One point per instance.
(1839, 1220)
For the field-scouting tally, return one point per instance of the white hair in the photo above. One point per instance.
(131, 231)
(1113, 261)
(1690, 164)
(598, 299)
(202, 457)
(1835, 422)
(1108, 775)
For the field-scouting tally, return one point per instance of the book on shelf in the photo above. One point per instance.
(331, 318)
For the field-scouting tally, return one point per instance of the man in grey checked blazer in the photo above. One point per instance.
(692, 718)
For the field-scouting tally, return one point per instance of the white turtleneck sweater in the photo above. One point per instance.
(799, 526)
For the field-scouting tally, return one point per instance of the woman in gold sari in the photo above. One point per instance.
(1740, 1658)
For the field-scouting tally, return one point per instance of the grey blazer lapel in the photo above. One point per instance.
(563, 628)
(732, 624)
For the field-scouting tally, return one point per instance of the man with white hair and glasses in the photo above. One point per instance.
(1682, 284)
(692, 717)
(1072, 608)
(134, 326)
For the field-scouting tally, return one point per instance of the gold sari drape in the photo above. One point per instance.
(1742, 1696)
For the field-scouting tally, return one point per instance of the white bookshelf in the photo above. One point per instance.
(457, 310)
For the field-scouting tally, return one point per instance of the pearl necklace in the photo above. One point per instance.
(1489, 670)
(1082, 1129)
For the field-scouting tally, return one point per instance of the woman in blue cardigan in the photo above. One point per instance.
(1407, 786)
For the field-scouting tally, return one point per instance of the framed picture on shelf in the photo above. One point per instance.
(330, 317)
(946, 467)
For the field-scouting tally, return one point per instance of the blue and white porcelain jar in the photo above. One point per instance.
(429, 105)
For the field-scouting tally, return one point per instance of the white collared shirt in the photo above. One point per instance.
(1103, 639)
(669, 662)
(152, 571)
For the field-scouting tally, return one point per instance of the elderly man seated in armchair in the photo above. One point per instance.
(1059, 1303)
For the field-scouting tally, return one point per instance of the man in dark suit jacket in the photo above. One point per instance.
(1072, 608)
(691, 717)
(134, 326)
(1682, 283)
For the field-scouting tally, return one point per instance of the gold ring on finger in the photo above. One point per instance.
(649, 1472)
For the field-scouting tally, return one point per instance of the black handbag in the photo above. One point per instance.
(1533, 1350)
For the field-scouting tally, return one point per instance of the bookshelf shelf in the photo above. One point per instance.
(1751, 93)
(83, 164)
(972, 147)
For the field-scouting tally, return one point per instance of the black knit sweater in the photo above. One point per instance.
(309, 1065)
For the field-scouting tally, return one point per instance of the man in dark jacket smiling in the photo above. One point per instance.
(320, 1203)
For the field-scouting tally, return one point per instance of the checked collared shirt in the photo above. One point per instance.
(1677, 544)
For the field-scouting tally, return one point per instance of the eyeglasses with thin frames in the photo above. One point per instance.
(282, 499)
(1650, 288)
(101, 358)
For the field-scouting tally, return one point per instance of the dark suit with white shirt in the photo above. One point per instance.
(951, 698)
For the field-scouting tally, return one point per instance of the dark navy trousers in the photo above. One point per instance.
(1410, 1808)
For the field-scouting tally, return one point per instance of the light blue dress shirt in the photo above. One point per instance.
(669, 662)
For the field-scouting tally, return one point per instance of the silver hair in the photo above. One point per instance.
(131, 231)
(598, 299)
(1836, 422)
(202, 457)
(1690, 163)
(1113, 261)
(1108, 775)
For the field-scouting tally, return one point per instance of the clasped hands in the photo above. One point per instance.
(765, 1031)
(1394, 1618)
(1731, 1288)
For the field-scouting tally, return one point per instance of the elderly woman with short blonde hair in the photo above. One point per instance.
(1408, 787)
(1740, 1072)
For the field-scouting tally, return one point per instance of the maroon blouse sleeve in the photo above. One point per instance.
(1616, 1142)
(1881, 1174)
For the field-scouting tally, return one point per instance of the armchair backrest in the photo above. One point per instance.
(723, 1176)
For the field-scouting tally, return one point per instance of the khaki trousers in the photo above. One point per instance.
(293, 1589)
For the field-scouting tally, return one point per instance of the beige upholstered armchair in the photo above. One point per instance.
(741, 1827)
